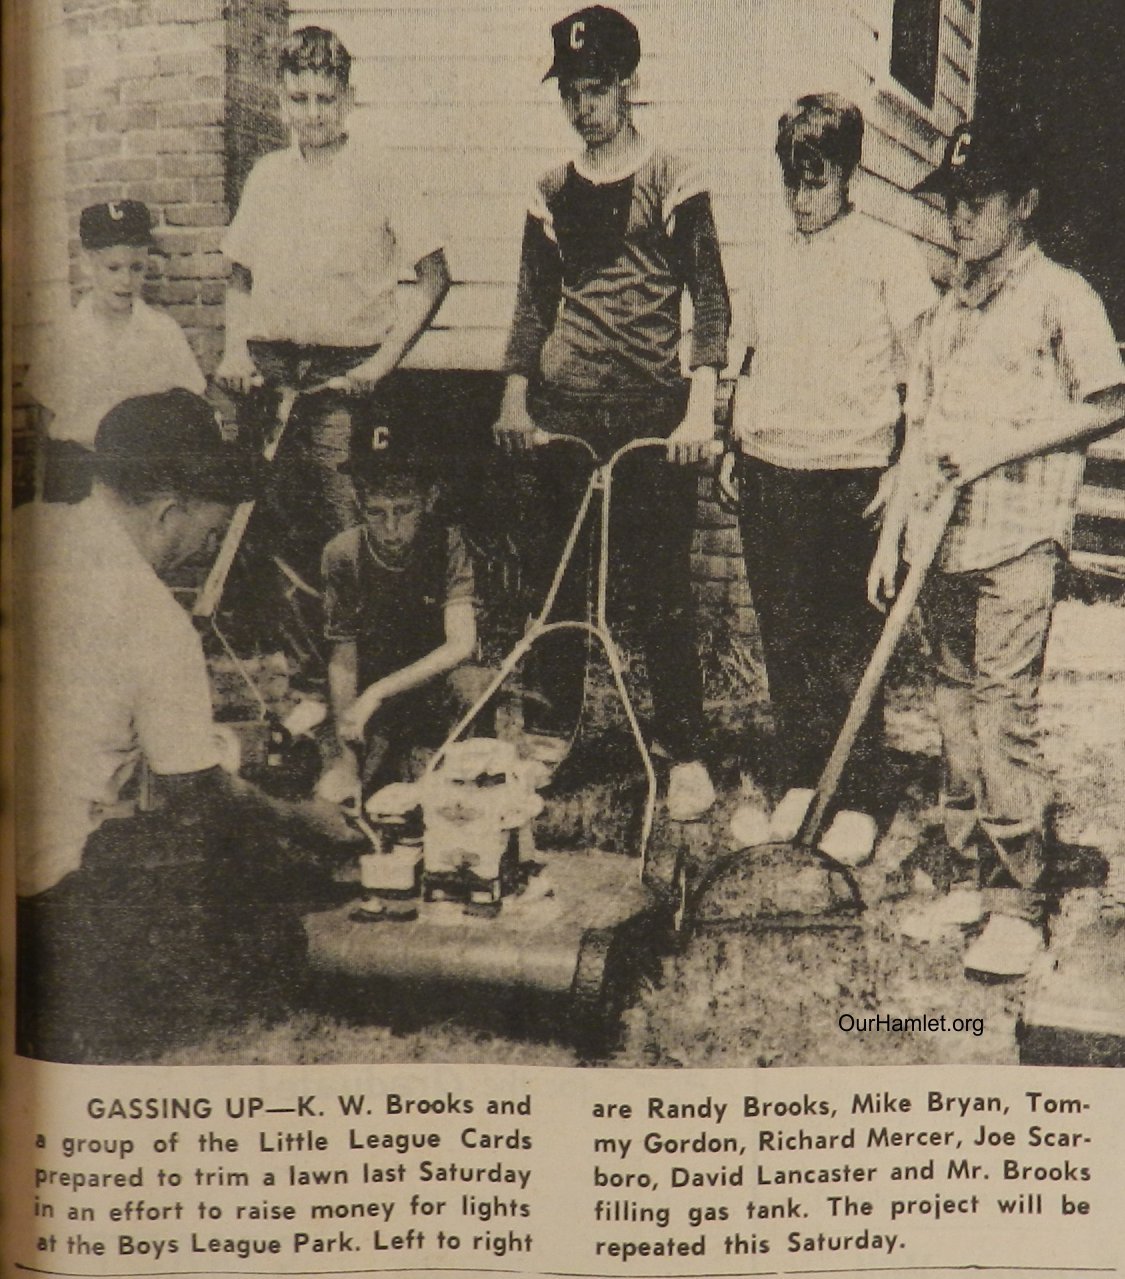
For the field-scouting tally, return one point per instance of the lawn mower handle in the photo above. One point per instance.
(933, 530)
(543, 438)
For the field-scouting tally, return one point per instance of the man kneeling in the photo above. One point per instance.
(140, 930)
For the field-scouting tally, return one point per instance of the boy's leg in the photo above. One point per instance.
(781, 547)
(846, 629)
(949, 616)
(653, 522)
(1013, 620)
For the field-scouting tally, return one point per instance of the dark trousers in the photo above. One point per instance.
(652, 521)
(309, 498)
(165, 933)
(808, 549)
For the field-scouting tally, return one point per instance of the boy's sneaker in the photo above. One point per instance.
(690, 792)
(1007, 948)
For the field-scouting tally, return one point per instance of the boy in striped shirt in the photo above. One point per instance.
(1017, 371)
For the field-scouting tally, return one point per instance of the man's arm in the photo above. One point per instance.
(213, 794)
(416, 311)
(460, 644)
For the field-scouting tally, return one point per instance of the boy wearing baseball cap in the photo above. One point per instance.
(611, 241)
(400, 615)
(324, 231)
(109, 347)
(1017, 372)
(138, 928)
(837, 303)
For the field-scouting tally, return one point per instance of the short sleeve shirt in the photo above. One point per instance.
(830, 312)
(326, 243)
(84, 366)
(1031, 350)
(110, 669)
(395, 615)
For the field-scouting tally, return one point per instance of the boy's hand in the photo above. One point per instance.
(352, 724)
(882, 577)
(514, 430)
(339, 783)
(365, 377)
(236, 372)
(693, 440)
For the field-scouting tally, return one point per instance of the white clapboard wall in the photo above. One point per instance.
(453, 88)
(36, 131)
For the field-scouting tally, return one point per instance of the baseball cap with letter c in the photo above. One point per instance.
(595, 41)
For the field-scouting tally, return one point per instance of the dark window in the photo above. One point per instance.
(915, 31)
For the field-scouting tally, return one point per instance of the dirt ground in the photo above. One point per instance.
(748, 998)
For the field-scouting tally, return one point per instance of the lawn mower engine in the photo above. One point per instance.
(460, 915)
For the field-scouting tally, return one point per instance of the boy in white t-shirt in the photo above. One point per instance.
(816, 413)
(323, 233)
(110, 347)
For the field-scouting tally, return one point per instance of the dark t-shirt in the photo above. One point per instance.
(395, 614)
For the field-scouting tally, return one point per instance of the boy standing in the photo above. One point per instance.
(323, 232)
(401, 619)
(1017, 372)
(815, 417)
(610, 242)
(110, 347)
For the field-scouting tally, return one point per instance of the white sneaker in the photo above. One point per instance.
(1007, 948)
(690, 792)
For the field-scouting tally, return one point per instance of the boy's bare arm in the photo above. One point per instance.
(1099, 415)
(414, 315)
(460, 644)
(236, 369)
(343, 683)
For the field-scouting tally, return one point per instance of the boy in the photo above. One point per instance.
(110, 347)
(610, 243)
(815, 418)
(1017, 372)
(323, 232)
(401, 619)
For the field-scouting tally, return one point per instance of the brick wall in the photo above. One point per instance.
(169, 102)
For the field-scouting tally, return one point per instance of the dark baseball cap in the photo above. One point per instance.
(595, 41)
(982, 157)
(101, 226)
(173, 440)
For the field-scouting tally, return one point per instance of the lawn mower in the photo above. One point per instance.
(492, 920)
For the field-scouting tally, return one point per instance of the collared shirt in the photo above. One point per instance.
(85, 365)
(326, 243)
(1022, 345)
(605, 262)
(831, 313)
(109, 668)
